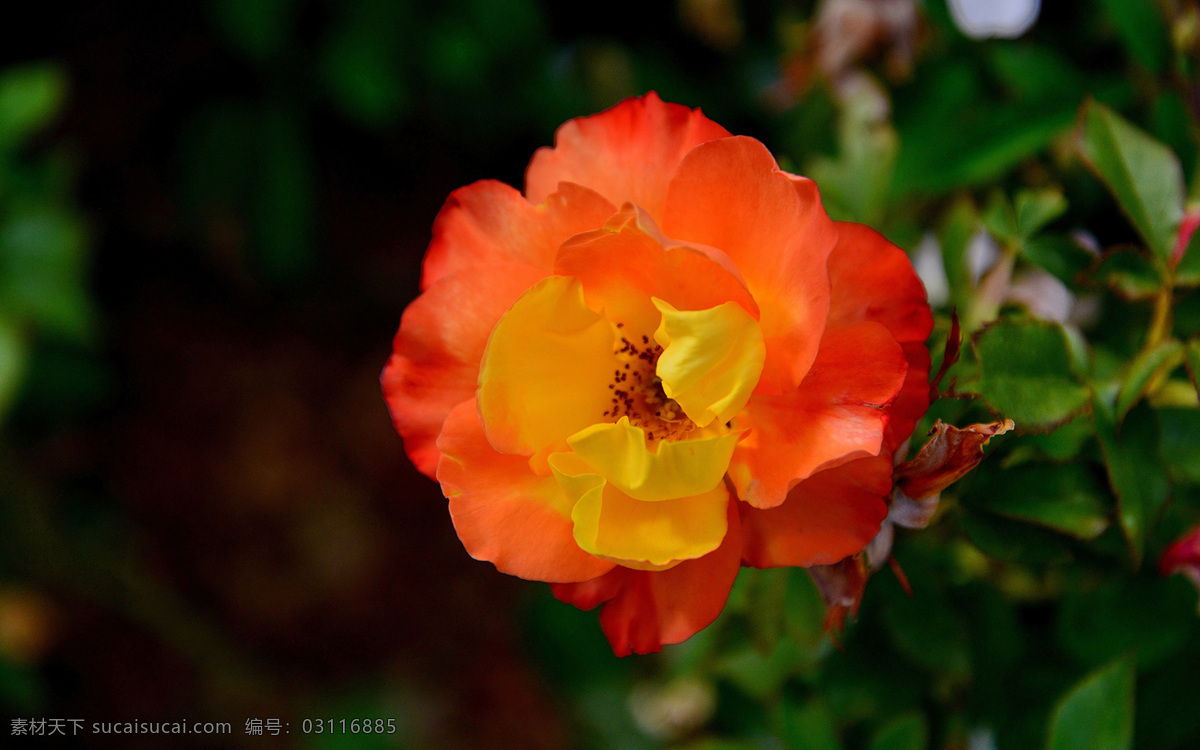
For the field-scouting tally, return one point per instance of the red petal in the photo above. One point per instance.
(503, 512)
(436, 353)
(627, 153)
(731, 195)
(913, 399)
(872, 279)
(489, 222)
(646, 610)
(838, 414)
(832, 514)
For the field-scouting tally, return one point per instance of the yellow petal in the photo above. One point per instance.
(711, 359)
(642, 535)
(546, 370)
(682, 468)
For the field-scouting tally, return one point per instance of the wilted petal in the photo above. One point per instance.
(946, 458)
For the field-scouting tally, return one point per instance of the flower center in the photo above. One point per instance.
(638, 392)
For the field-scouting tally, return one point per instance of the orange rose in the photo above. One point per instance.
(660, 362)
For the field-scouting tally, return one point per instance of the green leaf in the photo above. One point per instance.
(906, 732)
(43, 251)
(858, 181)
(1179, 438)
(1144, 371)
(261, 28)
(1191, 352)
(1060, 255)
(14, 358)
(1142, 30)
(926, 626)
(1065, 498)
(1026, 374)
(1143, 174)
(804, 612)
(959, 224)
(1037, 208)
(1150, 614)
(284, 203)
(362, 62)
(1129, 273)
(1097, 714)
(1134, 470)
(1187, 273)
(31, 96)
(1001, 220)
(811, 727)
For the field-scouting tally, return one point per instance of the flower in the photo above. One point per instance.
(660, 362)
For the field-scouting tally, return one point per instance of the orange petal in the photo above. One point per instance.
(730, 194)
(832, 514)
(503, 512)
(838, 414)
(645, 610)
(436, 353)
(627, 153)
(489, 222)
(624, 264)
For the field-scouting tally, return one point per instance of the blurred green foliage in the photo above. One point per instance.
(1044, 178)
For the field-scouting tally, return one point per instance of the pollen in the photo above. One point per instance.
(638, 392)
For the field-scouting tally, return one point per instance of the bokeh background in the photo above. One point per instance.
(212, 215)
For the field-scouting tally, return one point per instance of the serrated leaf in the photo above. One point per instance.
(1065, 498)
(1134, 470)
(1129, 273)
(906, 732)
(1026, 374)
(1141, 172)
(1144, 371)
(1097, 714)
(30, 97)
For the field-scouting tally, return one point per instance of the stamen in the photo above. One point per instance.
(643, 400)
